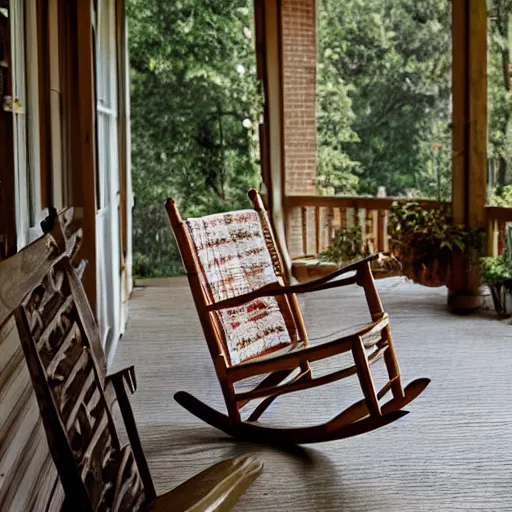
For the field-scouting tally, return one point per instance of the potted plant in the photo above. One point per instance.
(497, 275)
(345, 247)
(425, 241)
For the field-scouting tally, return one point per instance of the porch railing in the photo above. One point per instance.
(313, 220)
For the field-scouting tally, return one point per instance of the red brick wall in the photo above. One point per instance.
(299, 87)
(298, 22)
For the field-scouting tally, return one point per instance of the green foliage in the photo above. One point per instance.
(346, 246)
(155, 253)
(498, 270)
(419, 236)
(383, 109)
(497, 274)
(194, 109)
(384, 96)
(499, 89)
(502, 196)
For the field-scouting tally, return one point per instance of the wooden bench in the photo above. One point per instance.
(28, 477)
(59, 443)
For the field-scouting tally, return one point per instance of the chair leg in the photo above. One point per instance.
(365, 378)
(305, 367)
(228, 391)
(376, 310)
(392, 366)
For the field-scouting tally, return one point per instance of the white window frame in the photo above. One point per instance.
(29, 211)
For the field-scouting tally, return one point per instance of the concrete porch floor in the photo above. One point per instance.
(453, 452)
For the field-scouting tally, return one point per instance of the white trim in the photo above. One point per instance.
(34, 147)
(58, 181)
(17, 20)
(108, 234)
(28, 206)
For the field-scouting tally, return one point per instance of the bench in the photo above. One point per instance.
(60, 446)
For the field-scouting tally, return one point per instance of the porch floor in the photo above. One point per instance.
(452, 452)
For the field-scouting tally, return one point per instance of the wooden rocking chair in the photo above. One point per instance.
(253, 325)
(60, 340)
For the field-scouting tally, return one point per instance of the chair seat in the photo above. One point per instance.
(369, 337)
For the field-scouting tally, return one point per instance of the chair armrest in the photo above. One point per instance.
(118, 380)
(274, 290)
(126, 374)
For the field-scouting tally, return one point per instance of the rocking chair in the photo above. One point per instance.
(253, 326)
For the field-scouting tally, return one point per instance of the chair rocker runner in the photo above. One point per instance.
(253, 326)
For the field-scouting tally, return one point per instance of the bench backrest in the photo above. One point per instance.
(45, 316)
(59, 338)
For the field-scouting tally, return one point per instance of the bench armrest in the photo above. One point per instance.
(118, 380)
(127, 375)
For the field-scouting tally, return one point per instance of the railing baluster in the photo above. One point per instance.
(368, 230)
(343, 217)
(304, 216)
(318, 235)
(375, 230)
(382, 231)
(357, 223)
(330, 228)
(333, 212)
(492, 238)
(387, 236)
(501, 235)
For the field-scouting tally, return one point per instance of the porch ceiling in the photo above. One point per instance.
(450, 453)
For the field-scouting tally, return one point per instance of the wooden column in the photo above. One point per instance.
(86, 144)
(469, 182)
(268, 58)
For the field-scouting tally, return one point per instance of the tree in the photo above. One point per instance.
(393, 58)
(195, 108)
(499, 88)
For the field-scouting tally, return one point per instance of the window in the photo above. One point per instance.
(106, 94)
(23, 103)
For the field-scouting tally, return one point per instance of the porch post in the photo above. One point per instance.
(85, 187)
(268, 47)
(469, 143)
